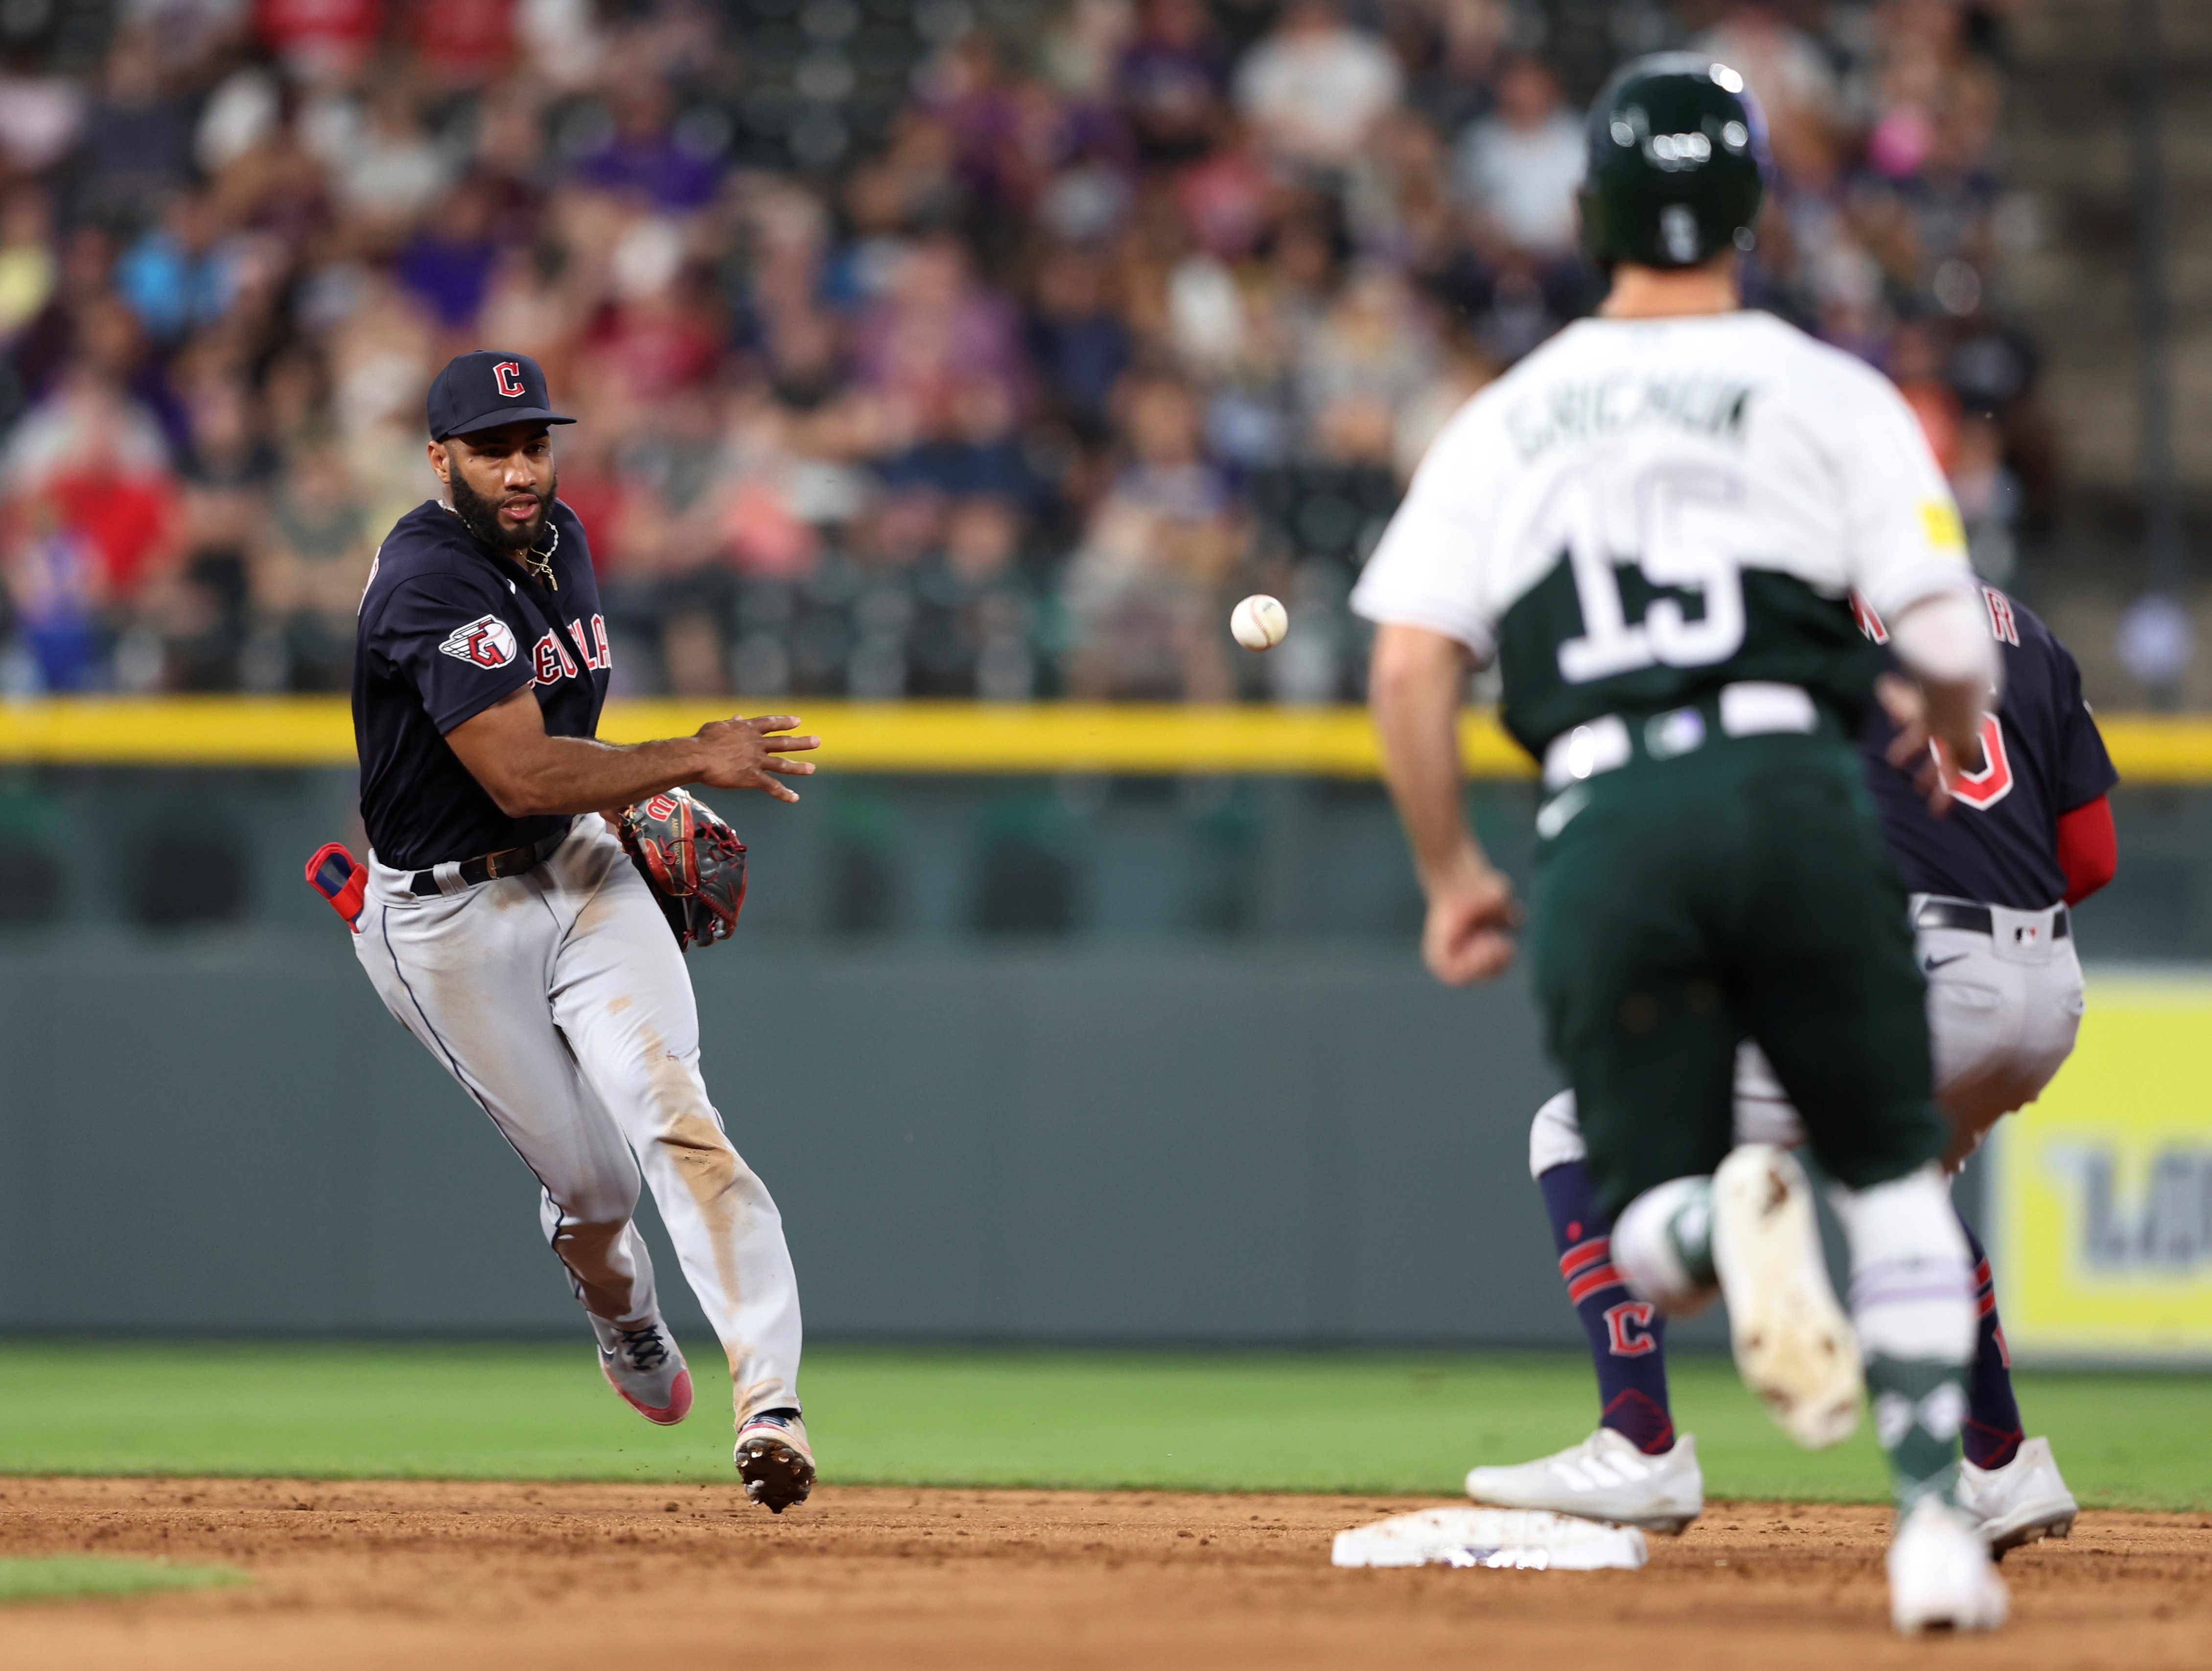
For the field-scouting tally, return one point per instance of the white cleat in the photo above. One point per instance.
(2020, 1502)
(1794, 1346)
(1603, 1478)
(773, 1459)
(1940, 1575)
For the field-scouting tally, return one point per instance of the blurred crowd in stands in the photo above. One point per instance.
(926, 347)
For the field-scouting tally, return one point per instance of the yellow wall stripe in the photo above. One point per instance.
(2159, 747)
(952, 737)
(894, 737)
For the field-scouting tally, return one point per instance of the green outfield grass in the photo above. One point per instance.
(52, 1577)
(1227, 1421)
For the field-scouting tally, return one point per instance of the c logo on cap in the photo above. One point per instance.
(507, 373)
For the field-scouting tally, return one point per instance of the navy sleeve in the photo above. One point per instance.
(2085, 770)
(447, 634)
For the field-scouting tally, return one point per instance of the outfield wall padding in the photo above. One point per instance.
(1122, 1146)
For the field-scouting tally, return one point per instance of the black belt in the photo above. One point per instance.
(507, 861)
(1976, 918)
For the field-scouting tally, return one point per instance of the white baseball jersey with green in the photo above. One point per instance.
(1643, 511)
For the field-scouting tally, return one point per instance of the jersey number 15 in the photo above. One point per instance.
(1668, 502)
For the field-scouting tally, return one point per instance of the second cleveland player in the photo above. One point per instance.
(2029, 834)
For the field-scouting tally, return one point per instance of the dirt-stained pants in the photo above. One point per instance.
(560, 1001)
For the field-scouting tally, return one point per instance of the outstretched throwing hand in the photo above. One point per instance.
(749, 754)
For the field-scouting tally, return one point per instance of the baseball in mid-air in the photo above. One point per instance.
(1260, 623)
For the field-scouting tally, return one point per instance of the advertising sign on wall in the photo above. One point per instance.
(2101, 1192)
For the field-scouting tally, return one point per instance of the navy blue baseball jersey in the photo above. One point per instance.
(448, 627)
(1999, 843)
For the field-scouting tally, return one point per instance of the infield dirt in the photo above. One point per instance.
(549, 1577)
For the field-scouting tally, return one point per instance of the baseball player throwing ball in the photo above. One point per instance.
(2026, 837)
(1654, 525)
(502, 920)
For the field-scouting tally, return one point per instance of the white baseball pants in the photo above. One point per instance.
(2004, 1011)
(560, 1001)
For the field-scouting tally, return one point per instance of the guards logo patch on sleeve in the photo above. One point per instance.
(486, 641)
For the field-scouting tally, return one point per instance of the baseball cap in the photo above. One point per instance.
(485, 389)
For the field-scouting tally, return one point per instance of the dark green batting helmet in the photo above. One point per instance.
(1677, 164)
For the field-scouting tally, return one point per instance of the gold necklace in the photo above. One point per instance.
(539, 564)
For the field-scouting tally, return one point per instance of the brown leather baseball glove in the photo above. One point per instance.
(693, 863)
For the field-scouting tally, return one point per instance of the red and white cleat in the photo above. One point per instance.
(642, 1363)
